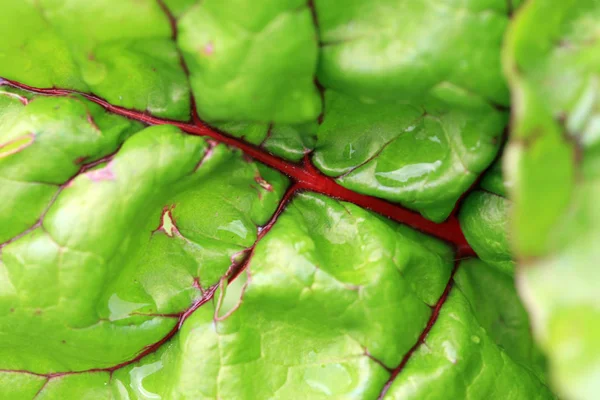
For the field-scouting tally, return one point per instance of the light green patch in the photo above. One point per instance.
(252, 61)
(404, 49)
(121, 51)
(15, 145)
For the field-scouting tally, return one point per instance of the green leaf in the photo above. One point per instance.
(553, 162)
(339, 283)
(138, 244)
(282, 199)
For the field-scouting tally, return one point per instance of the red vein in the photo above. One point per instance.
(432, 319)
(41, 388)
(233, 272)
(21, 99)
(174, 34)
(171, 18)
(510, 8)
(305, 175)
(82, 170)
(476, 185)
(263, 230)
(149, 349)
(448, 230)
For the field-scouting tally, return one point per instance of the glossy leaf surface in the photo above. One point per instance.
(297, 199)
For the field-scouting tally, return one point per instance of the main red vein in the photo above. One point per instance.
(305, 175)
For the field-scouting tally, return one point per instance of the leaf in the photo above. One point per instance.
(271, 199)
(553, 162)
(342, 294)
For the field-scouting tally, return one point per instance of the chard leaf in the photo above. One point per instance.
(287, 199)
(553, 162)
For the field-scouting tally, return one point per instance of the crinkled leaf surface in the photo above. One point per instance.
(279, 199)
(120, 244)
(251, 60)
(423, 156)
(119, 50)
(341, 294)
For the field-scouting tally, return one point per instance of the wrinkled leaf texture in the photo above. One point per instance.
(282, 199)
